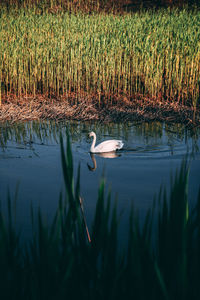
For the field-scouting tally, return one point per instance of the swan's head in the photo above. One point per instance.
(92, 134)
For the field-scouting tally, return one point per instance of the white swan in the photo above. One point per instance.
(106, 146)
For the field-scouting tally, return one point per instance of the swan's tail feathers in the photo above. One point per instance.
(120, 145)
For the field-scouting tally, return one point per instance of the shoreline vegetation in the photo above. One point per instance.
(88, 109)
(108, 66)
(63, 260)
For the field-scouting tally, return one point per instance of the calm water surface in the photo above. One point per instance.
(30, 164)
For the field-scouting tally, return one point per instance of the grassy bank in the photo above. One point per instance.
(60, 262)
(154, 54)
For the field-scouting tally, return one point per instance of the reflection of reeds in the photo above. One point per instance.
(160, 261)
(151, 53)
(49, 132)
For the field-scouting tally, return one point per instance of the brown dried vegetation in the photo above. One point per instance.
(87, 108)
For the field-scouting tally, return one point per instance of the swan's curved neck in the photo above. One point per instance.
(93, 143)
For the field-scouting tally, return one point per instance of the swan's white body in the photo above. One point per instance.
(107, 146)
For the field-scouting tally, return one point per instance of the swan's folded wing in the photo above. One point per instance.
(109, 146)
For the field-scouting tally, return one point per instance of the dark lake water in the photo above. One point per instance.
(30, 163)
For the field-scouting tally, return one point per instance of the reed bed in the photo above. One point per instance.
(161, 260)
(156, 54)
(115, 6)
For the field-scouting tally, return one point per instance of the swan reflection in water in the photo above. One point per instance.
(105, 155)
